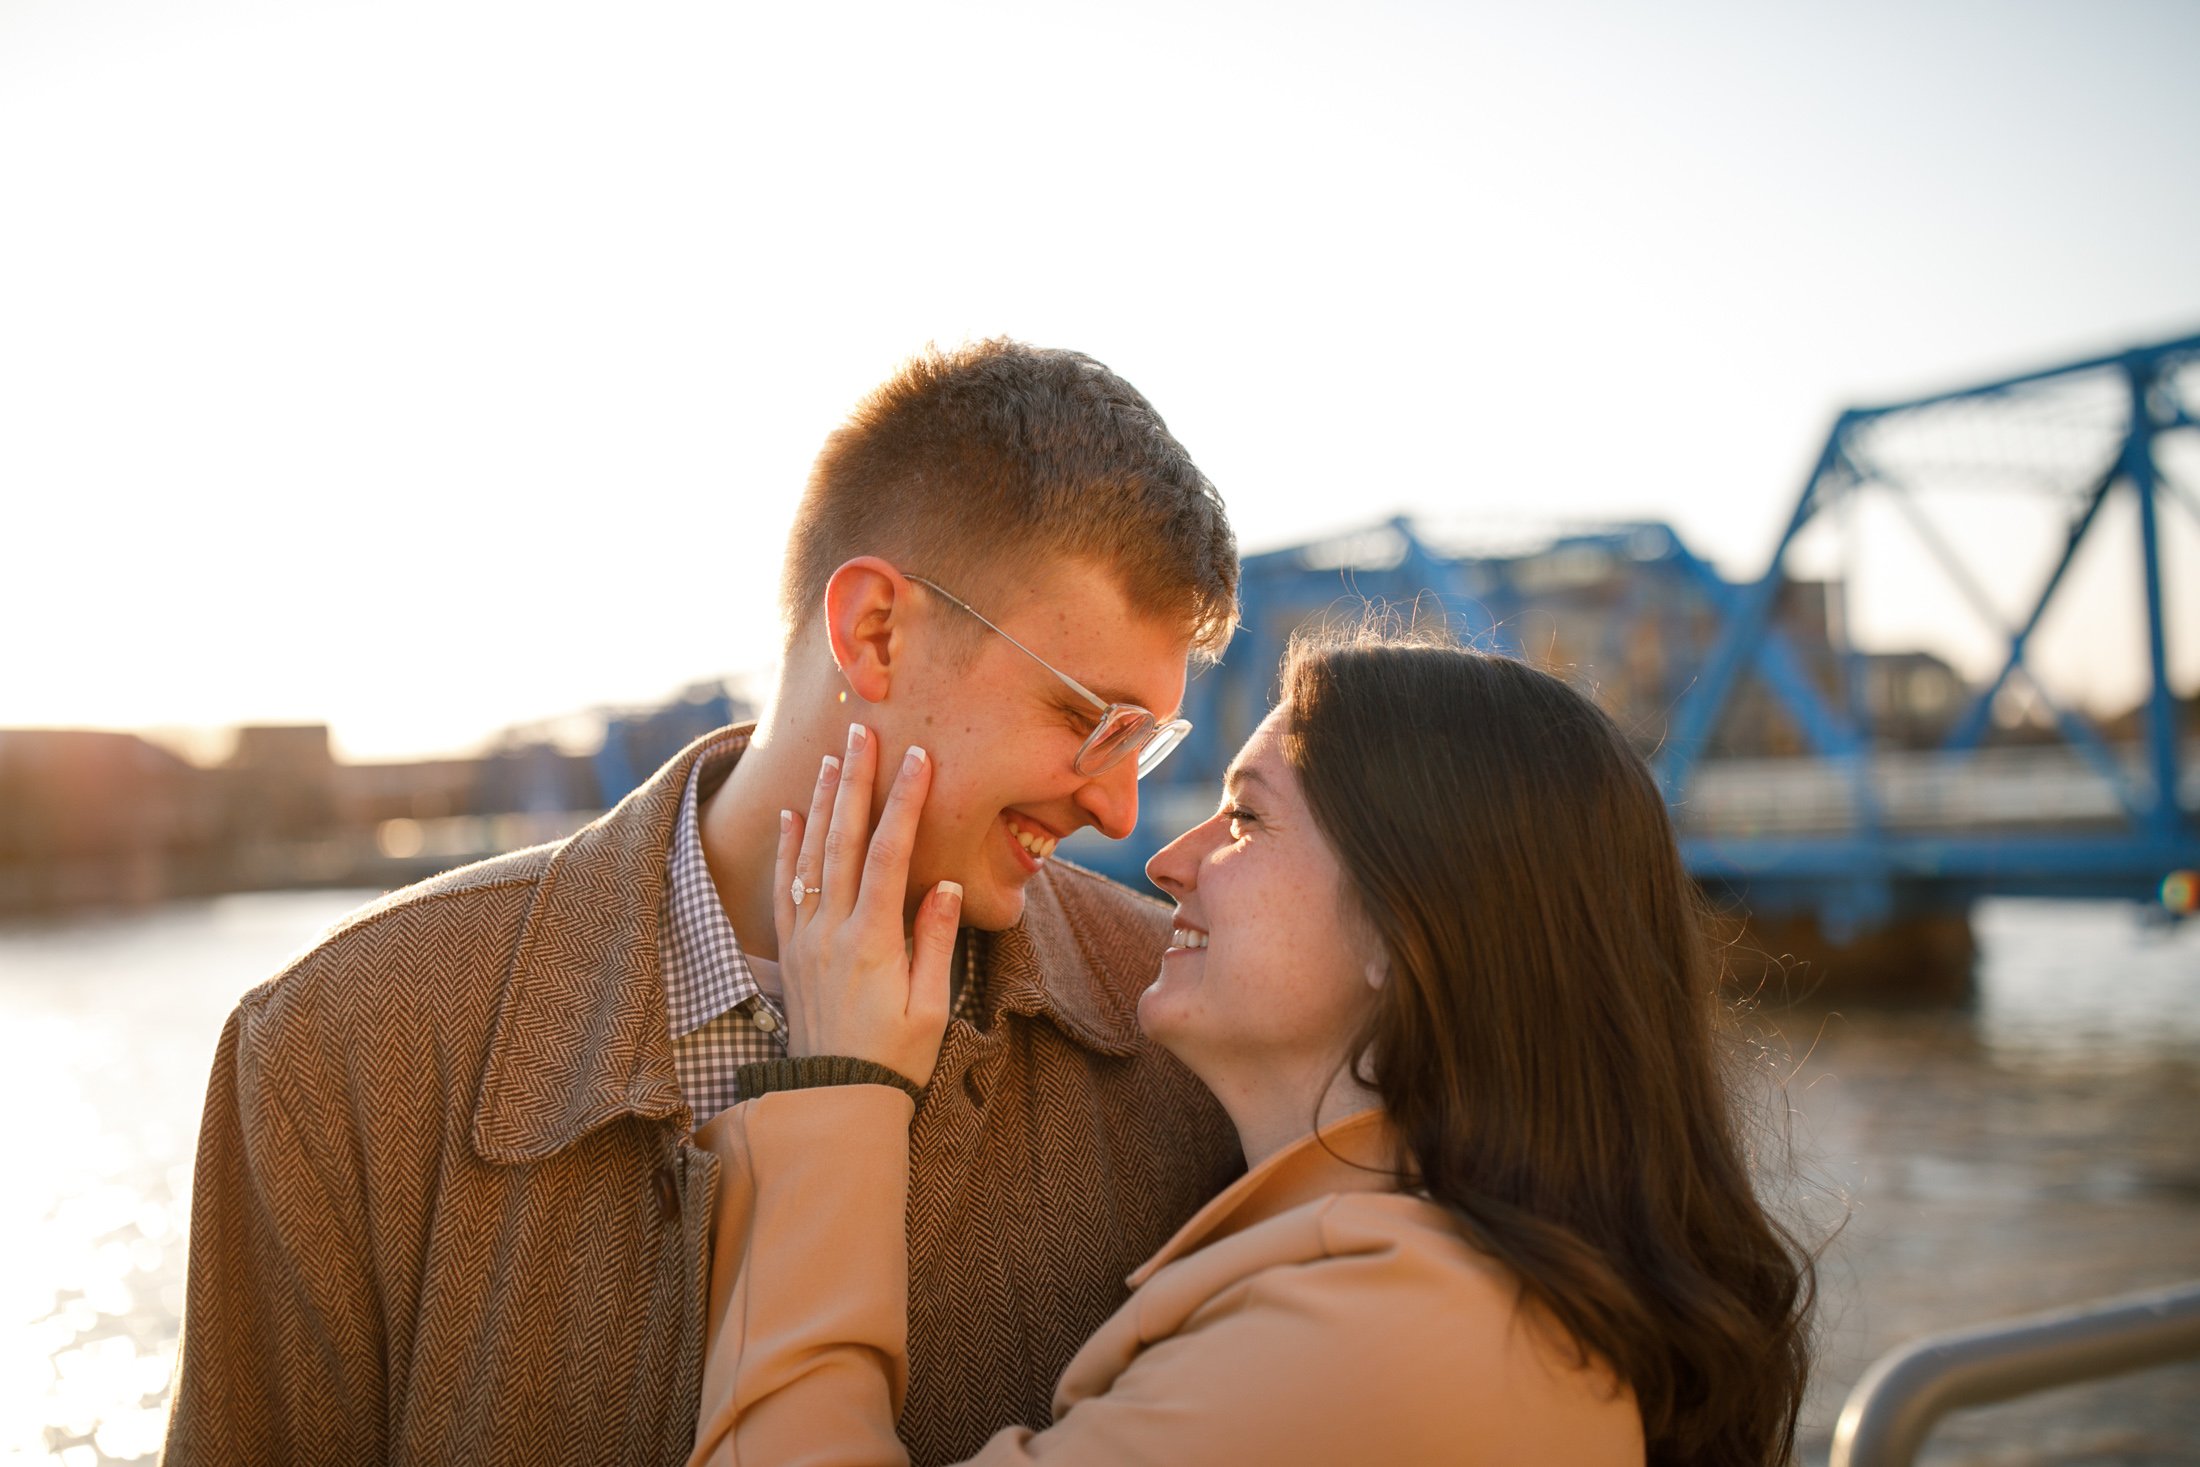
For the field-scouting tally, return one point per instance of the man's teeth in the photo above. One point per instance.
(1040, 846)
(1185, 937)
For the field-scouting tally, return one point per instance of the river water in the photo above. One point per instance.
(2037, 1150)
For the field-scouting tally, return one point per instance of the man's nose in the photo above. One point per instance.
(1111, 798)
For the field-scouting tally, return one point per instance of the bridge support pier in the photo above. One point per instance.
(1918, 960)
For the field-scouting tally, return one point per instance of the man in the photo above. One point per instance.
(446, 1208)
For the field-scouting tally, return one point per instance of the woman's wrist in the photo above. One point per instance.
(807, 1072)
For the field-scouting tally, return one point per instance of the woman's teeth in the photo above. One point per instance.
(1039, 846)
(1185, 937)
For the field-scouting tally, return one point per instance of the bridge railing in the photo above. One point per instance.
(1892, 1410)
(2039, 789)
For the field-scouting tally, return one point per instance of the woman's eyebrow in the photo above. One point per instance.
(1243, 775)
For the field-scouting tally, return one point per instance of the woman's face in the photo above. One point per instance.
(1265, 982)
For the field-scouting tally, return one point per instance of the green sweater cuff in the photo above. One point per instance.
(810, 1071)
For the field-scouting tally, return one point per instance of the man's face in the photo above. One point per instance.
(1003, 731)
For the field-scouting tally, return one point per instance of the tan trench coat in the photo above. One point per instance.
(1311, 1314)
(446, 1207)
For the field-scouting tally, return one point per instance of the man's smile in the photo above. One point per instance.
(1034, 841)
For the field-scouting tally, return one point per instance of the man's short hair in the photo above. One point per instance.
(972, 460)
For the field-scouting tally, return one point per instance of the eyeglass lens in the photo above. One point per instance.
(1120, 730)
(1159, 743)
(1123, 729)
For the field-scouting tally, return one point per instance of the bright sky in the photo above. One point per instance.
(428, 367)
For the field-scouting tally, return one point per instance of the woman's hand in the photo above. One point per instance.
(852, 987)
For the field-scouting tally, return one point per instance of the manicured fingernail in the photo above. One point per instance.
(855, 737)
(786, 820)
(913, 761)
(951, 892)
(831, 768)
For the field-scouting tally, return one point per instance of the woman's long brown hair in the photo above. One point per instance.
(1545, 1040)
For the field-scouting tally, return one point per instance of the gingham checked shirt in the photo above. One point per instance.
(720, 1019)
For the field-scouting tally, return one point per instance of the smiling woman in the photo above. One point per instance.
(1437, 958)
(1546, 1037)
(1270, 961)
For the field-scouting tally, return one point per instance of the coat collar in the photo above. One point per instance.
(581, 1035)
(1047, 966)
(1356, 1154)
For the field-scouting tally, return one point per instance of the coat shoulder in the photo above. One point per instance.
(453, 931)
(1121, 931)
(1422, 1343)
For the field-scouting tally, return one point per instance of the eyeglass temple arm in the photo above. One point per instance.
(1082, 691)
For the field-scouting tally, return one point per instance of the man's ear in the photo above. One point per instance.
(866, 602)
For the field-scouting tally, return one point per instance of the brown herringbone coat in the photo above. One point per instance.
(446, 1210)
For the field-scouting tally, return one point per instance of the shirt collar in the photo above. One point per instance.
(705, 971)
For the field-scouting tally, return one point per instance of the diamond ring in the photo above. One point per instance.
(798, 891)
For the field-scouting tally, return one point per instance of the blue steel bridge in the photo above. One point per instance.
(1808, 775)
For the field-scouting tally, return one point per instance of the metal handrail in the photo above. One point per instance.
(1888, 1415)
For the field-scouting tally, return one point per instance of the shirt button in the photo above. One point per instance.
(766, 1020)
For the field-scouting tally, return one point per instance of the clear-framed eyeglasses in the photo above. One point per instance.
(1121, 729)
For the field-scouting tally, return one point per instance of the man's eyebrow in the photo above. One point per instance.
(1108, 694)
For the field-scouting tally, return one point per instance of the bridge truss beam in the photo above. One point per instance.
(1854, 873)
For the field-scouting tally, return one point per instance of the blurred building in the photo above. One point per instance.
(90, 816)
(1626, 611)
(95, 816)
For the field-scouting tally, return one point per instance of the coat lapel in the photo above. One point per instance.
(581, 1035)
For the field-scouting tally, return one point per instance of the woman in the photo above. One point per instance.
(1437, 956)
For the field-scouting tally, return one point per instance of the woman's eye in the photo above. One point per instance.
(1239, 816)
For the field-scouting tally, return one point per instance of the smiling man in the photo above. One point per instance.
(446, 1206)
